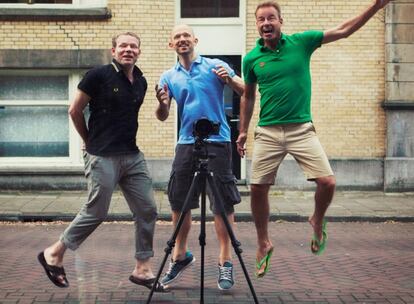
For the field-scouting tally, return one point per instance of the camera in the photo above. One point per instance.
(203, 128)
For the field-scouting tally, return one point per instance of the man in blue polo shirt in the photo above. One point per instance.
(197, 85)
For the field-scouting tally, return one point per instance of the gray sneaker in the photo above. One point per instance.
(225, 278)
(176, 268)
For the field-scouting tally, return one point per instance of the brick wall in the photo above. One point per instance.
(152, 21)
(348, 76)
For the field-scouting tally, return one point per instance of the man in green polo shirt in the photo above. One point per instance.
(279, 64)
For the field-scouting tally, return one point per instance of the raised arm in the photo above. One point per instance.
(350, 26)
(235, 82)
(164, 102)
(246, 112)
(76, 113)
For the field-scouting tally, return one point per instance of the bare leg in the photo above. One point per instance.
(181, 241)
(143, 269)
(143, 275)
(260, 212)
(223, 237)
(325, 189)
(54, 254)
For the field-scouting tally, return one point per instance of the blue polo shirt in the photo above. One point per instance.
(199, 94)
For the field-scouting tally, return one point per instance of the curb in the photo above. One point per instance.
(239, 217)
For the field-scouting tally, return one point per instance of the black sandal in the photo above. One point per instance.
(53, 272)
(159, 287)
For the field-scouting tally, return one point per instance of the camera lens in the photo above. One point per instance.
(203, 127)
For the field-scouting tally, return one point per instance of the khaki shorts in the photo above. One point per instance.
(272, 143)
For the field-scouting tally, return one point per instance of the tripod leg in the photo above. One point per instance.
(171, 242)
(236, 244)
(202, 237)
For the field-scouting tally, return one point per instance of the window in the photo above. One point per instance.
(210, 8)
(34, 131)
(34, 121)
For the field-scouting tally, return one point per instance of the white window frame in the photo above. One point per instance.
(229, 25)
(210, 21)
(75, 156)
(75, 4)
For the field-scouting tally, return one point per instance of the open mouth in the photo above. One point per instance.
(267, 31)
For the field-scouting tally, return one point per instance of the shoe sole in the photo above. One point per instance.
(180, 273)
(223, 289)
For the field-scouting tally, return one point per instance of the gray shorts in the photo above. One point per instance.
(182, 174)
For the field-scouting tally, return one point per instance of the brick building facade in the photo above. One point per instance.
(352, 84)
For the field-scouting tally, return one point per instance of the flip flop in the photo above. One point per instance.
(266, 259)
(148, 283)
(321, 245)
(53, 272)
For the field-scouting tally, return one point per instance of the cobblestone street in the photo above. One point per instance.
(364, 263)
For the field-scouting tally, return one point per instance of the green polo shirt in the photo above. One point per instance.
(283, 77)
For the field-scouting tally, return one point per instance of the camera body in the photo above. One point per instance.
(203, 128)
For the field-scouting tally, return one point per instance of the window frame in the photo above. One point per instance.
(212, 20)
(75, 153)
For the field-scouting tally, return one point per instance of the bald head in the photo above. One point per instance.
(183, 40)
(181, 28)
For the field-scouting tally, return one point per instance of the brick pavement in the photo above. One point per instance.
(364, 263)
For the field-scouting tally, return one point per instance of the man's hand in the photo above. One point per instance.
(240, 142)
(381, 3)
(222, 73)
(162, 94)
(164, 102)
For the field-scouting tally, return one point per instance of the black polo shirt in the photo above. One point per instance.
(114, 106)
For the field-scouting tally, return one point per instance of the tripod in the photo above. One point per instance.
(198, 185)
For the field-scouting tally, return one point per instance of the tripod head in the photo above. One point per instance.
(202, 129)
(200, 151)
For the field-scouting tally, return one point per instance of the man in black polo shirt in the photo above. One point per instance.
(114, 93)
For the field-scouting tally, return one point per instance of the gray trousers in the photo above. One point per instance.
(103, 174)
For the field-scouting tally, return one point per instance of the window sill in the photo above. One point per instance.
(52, 169)
(53, 59)
(213, 21)
(398, 105)
(47, 14)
